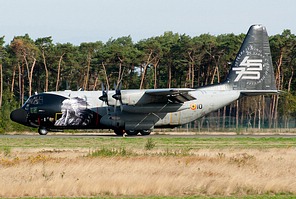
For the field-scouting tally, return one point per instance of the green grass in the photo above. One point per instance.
(122, 152)
(141, 143)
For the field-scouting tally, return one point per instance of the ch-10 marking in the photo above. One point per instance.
(195, 106)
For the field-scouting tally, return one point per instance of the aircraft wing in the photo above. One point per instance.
(174, 95)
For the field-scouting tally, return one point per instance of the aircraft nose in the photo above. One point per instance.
(19, 116)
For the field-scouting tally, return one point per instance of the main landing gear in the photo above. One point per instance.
(121, 132)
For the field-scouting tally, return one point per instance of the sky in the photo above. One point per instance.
(77, 21)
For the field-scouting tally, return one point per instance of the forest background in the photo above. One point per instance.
(166, 61)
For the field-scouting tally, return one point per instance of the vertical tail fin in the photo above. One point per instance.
(252, 70)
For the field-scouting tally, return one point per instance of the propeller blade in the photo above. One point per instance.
(117, 95)
(104, 96)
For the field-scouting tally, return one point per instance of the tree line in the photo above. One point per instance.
(169, 60)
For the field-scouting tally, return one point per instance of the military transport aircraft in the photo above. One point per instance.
(140, 111)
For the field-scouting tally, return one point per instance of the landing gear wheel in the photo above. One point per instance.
(42, 131)
(145, 132)
(132, 132)
(119, 132)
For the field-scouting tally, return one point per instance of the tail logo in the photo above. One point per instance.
(249, 69)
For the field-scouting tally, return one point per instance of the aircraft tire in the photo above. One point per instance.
(119, 132)
(145, 132)
(132, 132)
(42, 131)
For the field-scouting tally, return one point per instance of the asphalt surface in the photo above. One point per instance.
(153, 135)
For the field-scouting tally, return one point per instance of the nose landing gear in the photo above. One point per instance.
(42, 130)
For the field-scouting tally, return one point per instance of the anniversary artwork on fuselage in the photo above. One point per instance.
(74, 112)
(142, 110)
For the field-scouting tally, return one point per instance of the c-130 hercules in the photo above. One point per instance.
(140, 111)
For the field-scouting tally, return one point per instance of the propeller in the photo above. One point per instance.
(104, 97)
(117, 95)
(117, 89)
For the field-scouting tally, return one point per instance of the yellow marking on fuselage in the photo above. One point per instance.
(56, 116)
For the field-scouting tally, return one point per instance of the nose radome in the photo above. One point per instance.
(19, 116)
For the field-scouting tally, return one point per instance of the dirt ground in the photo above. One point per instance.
(51, 172)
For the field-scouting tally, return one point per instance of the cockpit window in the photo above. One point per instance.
(36, 100)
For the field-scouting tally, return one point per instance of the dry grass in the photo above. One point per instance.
(69, 173)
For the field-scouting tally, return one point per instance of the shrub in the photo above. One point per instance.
(150, 144)
(110, 152)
